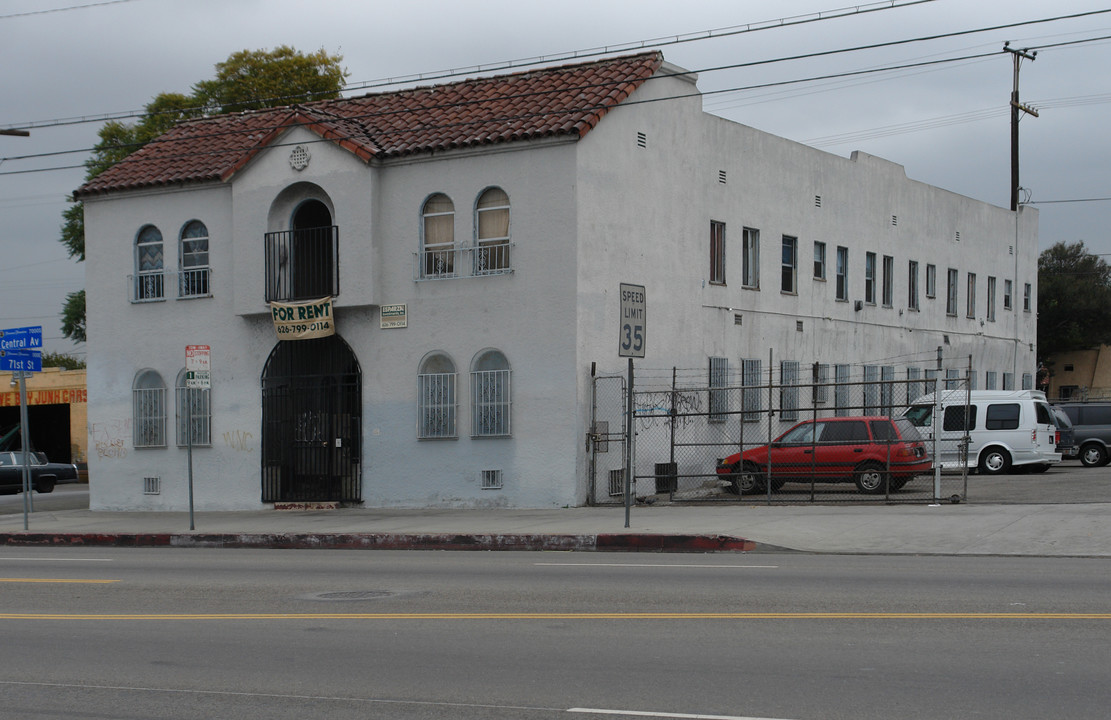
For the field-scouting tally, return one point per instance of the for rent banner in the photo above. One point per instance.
(303, 320)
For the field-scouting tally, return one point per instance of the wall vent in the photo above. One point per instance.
(738, 318)
(1010, 249)
(817, 201)
(721, 176)
(958, 236)
(152, 486)
(617, 482)
(798, 325)
(894, 220)
(642, 140)
(491, 480)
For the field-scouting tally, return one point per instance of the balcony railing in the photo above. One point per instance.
(460, 262)
(151, 286)
(302, 264)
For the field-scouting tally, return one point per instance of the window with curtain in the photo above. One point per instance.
(193, 260)
(436, 397)
(490, 395)
(492, 222)
(194, 414)
(148, 410)
(438, 237)
(149, 281)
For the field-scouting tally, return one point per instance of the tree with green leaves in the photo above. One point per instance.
(1074, 299)
(247, 80)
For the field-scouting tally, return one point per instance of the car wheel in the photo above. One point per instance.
(1093, 455)
(870, 478)
(748, 481)
(45, 485)
(995, 461)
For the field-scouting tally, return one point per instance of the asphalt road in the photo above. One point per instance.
(174, 633)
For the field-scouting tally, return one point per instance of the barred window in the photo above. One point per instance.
(490, 395)
(436, 397)
(194, 410)
(148, 410)
(887, 389)
(914, 388)
(841, 390)
(719, 395)
(788, 390)
(752, 400)
(821, 383)
(871, 390)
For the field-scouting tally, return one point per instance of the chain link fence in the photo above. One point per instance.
(758, 435)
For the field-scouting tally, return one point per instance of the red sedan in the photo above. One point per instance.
(877, 453)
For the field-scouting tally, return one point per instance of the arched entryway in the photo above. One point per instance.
(311, 429)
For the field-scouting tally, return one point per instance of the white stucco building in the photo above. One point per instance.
(473, 237)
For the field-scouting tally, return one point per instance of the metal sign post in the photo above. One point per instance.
(630, 344)
(198, 376)
(20, 352)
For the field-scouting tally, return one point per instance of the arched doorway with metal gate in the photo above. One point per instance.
(311, 422)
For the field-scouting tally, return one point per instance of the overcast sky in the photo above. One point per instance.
(947, 123)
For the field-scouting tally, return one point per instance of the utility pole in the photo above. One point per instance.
(1016, 109)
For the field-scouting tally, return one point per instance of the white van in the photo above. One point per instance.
(1006, 428)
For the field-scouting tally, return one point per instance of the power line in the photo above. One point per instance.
(704, 94)
(538, 59)
(65, 9)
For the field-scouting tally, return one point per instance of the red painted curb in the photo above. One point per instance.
(613, 542)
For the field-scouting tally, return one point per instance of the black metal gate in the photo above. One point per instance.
(311, 412)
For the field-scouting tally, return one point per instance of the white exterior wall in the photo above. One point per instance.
(585, 216)
(529, 315)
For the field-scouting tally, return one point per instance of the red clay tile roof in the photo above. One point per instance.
(559, 101)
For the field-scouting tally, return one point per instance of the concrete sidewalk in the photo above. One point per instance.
(966, 529)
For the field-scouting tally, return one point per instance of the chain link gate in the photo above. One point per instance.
(607, 439)
(686, 426)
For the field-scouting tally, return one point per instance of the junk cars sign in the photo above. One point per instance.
(303, 320)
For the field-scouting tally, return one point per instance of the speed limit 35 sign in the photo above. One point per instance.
(633, 328)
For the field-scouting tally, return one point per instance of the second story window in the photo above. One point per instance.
(438, 237)
(842, 273)
(888, 281)
(790, 264)
(149, 280)
(1007, 302)
(870, 278)
(951, 293)
(912, 285)
(193, 261)
(971, 299)
(492, 222)
(717, 252)
(819, 261)
(931, 280)
(750, 261)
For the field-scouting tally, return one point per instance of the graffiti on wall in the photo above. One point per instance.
(238, 440)
(109, 438)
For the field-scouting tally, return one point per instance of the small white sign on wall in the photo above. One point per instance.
(393, 316)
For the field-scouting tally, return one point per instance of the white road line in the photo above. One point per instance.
(656, 565)
(36, 559)
(684, 716)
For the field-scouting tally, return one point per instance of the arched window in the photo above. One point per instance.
(148, 410)
(492, 224)
(194, 410)
(438, 237)
(193, 260)
(149, 281)
(490, 395)
(436, 397)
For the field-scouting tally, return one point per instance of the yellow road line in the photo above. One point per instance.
(560, 616)
(56, 580)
